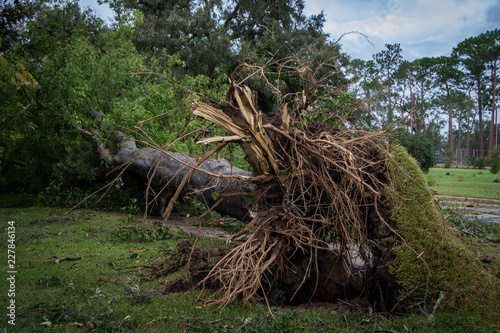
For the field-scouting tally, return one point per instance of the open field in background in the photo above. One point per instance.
(471, 183)
(88, 271)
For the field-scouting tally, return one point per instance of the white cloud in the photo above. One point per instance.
(422, 27)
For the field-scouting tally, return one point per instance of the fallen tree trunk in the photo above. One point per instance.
(215, 182)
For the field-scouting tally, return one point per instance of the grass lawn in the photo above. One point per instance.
(472, 183)
(87, 271)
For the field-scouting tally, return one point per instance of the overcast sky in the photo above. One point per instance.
(424, 28)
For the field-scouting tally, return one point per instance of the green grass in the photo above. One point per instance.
(93, 291)
(472, 183)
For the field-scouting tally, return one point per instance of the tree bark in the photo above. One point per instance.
(493, 136)
(213, 181)
(450, 120)
(468, 122)
(421, 118)
(459, 141)
(480, 114)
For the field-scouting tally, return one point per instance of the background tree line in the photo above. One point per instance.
(61, 65)
(424, 96)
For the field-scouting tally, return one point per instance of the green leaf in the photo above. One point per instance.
(215, 195)
(3, 64)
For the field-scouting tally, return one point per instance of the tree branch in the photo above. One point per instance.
(233, 15)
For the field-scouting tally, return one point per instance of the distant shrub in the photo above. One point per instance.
(448, 159)
(431, 181)
(479, 163)
(420, 148)
(476, 162)
(495, 161)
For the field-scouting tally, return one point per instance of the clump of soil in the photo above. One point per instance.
(197, 262)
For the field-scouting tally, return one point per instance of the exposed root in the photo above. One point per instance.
(325, 188)
(321, 231)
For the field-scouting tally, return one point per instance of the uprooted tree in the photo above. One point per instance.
(332, 213)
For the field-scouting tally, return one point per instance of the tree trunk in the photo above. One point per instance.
(214, 182)
(493, 130)
(421, 119)
(480, 114)
(459, 143)
(389, 89)
(468, 123)
(413, 115)
(450, 119)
